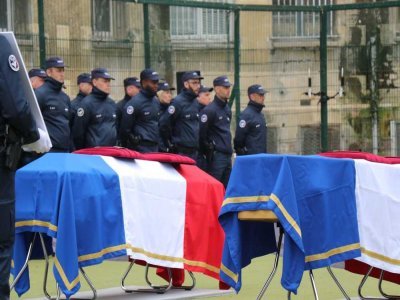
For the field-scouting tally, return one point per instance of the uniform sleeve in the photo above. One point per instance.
(206, 120)
(128, 118)
(80, 125)
(242, 128)
(14, 107)
(168, 120)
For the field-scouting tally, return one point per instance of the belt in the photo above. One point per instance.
(148, 143)
(186, 150)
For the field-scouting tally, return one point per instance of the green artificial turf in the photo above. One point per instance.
(109, 273)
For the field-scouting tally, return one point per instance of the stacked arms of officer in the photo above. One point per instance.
(207, 146)
(167, 123)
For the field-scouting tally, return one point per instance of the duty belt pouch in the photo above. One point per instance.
(13, 155)
(13, 149)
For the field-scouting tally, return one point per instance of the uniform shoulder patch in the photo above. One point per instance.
(130, 110)
(80, 112)
(242, 124)
(13, 63)
(204, 118)
(171, 109)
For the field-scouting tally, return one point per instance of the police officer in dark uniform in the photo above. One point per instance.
(215, 133)
(251, 130)
(84, 82)
(204, 99)
(132, 88)
(180, 127)
(164, 95)
(139, 125)
(95, 123)
(56, 105)
(16, 117)
(37, 77)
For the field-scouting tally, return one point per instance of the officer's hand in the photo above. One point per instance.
(42, 145)
(133, 141)
(171, 148)
(241, 151)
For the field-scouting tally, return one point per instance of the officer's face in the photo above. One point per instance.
(131, 90)
(223, 92)
(56, 73)
(85, 88)
(103, 84)
(151, 85)
(204, 98)
(165, 96)
(36, 82)
(258, 98)
(193, 85)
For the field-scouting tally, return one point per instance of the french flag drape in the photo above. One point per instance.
(99, 206)
(378, 207)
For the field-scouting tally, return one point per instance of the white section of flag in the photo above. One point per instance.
(378, 212)
(153, 201)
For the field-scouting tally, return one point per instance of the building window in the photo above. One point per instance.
(199, 23)
(16, 15)
(300, 24)
(102, 18)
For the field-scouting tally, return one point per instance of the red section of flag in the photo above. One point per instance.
(355, 266)
(203, 237)
(359, 267)
(127, 153)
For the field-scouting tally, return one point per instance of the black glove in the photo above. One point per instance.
(171, 148)
(209, 151)
(241, 151)
(133, 141)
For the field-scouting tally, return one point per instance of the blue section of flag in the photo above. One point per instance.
(79, 203)
(314, 200)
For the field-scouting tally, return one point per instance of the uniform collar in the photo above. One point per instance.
(220, 102)
(81, 94)
(99, 94)
(147, 94)
(54, 84)
(256, 105)
(188, 93)
(127, 97)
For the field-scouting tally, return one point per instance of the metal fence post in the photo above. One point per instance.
(237, 62)
(42, 39)
(146, 28)
(324, 79)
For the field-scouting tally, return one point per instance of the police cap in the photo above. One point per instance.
(84, 78)
(222, 81)
(101, 73)
(54, 62)
(132, 81)
(37, 72)
(149, 74)
(164, 86)
(256, 89)
(205, 89)
(191, 75)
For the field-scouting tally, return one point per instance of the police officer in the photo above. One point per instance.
(215, 134)
(204, 99)
(164, 95)
(84, 82)
(251, 130)
(132, 88)
(180, 127)
(37, 77)
(15, 115)
(139, 124)
(56, 105)
(95, 123)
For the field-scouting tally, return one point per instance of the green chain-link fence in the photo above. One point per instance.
(276, 44)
